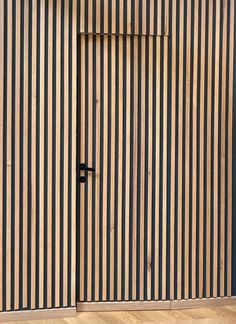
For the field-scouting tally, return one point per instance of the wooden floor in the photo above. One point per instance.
(214, 315)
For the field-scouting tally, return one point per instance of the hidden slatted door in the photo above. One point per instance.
(123, 219)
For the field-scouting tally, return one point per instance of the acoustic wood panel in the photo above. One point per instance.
(162, 196)
(125, 17)
(156, 118)
(37, 153)
(201, 91)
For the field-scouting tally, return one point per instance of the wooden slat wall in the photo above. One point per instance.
(132, 17)
(162, 199)
(201, 97)
(156, 116)
(38, 57)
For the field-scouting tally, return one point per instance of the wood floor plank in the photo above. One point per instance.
(210, 315)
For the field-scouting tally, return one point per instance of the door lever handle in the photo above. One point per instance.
(83, 167)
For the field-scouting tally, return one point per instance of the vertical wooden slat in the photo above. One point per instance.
(105, 141)
(157, 178)
(90, 160)
(82, 15)
(41, 154)
(17, 159)
(187, 152)
(201, 145)
(134, 166)
(25, 155)
(57, 161)
(112, 165)
(150, 172)
(129, 20)
(1, 138)
(33, 157)
(142, 167)
(66, 134)
(50, 132)
(216, 149)
(106, 15)
(164, 187)
(173, 150)
(152, 18)
(209, 167)
(73, 72)
(98, 175)
(120, 173)
(180, 149)
(98, 15)
(113, 15)
(82, 158)
(159, 14)
(121, 17)
(9, 156)
(144, 17)
(136, 21)
(194, 149)
(230, 145)
(223, 149)
(90, 15)
(127, 179)
(166, 18)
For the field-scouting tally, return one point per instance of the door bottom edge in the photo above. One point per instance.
(106, 306)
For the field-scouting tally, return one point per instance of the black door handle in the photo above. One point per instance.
(83, 167)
